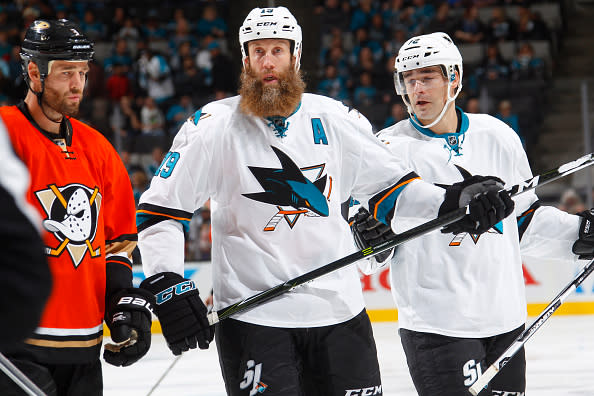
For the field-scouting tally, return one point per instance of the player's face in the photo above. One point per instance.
(64, 86)
(268, 58)
(427, 92)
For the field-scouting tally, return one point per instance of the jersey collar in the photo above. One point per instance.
(280, 124)
(453, 141)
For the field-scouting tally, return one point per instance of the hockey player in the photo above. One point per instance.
(24, 288)
(276, 164)
(460, 296)
(82, 192)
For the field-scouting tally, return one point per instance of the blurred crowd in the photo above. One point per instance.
(157, 62)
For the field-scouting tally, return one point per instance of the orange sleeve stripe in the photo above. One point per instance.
(164, 215)
(390, 192)
(129, 266)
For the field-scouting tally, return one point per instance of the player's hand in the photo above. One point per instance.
(584, 246)
(129, 318)
(181, 312)
(487, 201)
(367, 231)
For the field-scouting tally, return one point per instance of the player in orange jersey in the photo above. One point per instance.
(82, 191)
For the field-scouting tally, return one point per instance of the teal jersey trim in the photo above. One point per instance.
(453, 141)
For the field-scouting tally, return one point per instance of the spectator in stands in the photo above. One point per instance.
(223, 83)
(184, 50)
(157, 156)
(92, 28)
(151, 118)
(211, 23)
(129, 31)
(5, 46)
(531, 26)
(399, 37)
(182, 35)
(152, 29)
(397, 113)
(157, 74)
(377, 32)
(333, 85)
(469, 29)
(493, 67)
(500, 27)
(423, 13)
(362, 40)
(512, 119)
(118, 83)
(178, 113)
(191, 81)
(333, 14)
(362, 14)
(365, 93)
(116, 23)
(140, 183)
(571, 202)
(130, 125)
(120, 55)
(336, 57)
(526, 65)
(391, 13)
(442, 22)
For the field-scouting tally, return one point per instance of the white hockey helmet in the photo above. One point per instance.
(266, 23)
(435, 49)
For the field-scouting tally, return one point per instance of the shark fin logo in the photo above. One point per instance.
(72, 212)
(291, 191)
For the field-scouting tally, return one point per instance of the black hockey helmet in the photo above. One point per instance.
(47, 40)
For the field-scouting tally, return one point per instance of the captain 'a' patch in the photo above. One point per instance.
(72, 212)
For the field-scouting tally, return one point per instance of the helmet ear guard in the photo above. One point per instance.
(271, 23)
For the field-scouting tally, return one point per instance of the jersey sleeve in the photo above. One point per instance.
(389, 188)
(179, 187)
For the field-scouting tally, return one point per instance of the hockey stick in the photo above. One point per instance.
(19, 378)
(519, 342)
(437, 223)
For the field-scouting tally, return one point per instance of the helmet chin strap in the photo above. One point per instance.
(39, 95)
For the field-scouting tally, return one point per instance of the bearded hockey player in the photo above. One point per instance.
(277, 164)
(460, 296)
(81, 190)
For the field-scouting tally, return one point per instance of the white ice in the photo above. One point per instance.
(560, 363)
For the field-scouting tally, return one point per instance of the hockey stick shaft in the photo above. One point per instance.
(437, 223)
(519, 342)
(19, 378)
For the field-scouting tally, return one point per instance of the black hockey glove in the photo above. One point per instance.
(367, 231)
(129, 318)
(488, 205)
(584, 246)
(181, 312)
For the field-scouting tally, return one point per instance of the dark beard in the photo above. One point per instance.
(52, 100)
(267, 101)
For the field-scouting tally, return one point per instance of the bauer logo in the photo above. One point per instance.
(372, 390)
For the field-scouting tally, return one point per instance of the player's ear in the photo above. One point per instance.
(33, 72)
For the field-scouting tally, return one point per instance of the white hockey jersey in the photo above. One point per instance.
(276, 188)
(471, 285)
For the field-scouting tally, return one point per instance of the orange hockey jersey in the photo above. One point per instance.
(82, 191)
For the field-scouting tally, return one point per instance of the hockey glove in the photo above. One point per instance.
(181, 312)
(129, 318)
(487, 201)
(584, 246)
(367, 231)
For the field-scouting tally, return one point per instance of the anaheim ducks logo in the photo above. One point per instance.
(72, 213)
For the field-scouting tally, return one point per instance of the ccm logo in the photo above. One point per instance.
(410, 57)
(179, 289)
(374, 390)
(265, 23)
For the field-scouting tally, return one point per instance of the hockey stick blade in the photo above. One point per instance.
(432, 225)
(519, 342)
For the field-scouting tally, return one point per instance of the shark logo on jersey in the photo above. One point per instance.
(72, 213)
(458, 238)
(291, 191)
